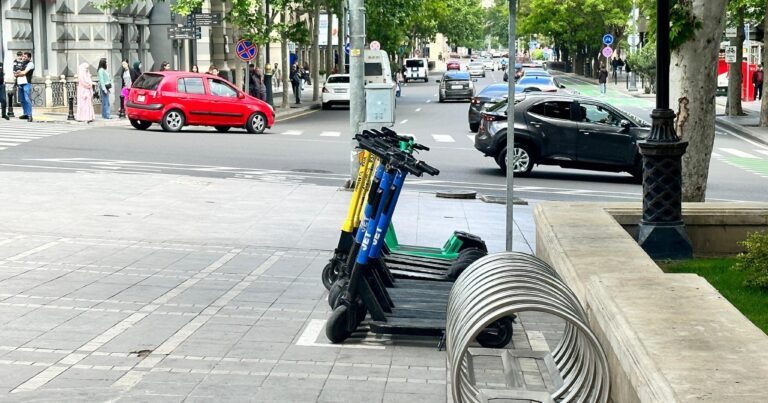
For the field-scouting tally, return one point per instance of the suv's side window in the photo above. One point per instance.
(220, 89)
(553, 109)
(192, 85)
(598, 115)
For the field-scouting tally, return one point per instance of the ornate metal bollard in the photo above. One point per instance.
(121, 114)
(10, 103)
(71, 108)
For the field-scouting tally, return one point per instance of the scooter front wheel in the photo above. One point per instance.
(329, 275)
(336, 328)
(497, 335)
(335, 293)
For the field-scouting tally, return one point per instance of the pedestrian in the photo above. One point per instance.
(615, 68)
(252, 91)
(24, 81)
(3, 97)
(136, 71)
(602, 78)
(296, 83)
(84, 94)
(195, 69)
(213, 70)
(399, 79)
(165, 66)
(620, 64)
(105, 88)
(305, 75)
(757, 81)
(127, 82)
(261, 88)
(277, 75)
(18, 65)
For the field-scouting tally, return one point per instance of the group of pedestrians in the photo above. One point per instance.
(256, 86)
(85, 91)
(23, 68)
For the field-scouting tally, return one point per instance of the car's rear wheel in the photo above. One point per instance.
(523, 159)
(173, 120)
(222, 129)
(140, 124)
(256, 124)
(474, 127)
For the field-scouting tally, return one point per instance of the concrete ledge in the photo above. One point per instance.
(669, 337)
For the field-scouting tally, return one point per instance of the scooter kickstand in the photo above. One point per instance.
(441, 344)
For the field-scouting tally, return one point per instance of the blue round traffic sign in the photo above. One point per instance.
(608, 39)
(346, 48)
(246, 51)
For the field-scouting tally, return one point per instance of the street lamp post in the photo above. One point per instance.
(662, 231)
(510, 227)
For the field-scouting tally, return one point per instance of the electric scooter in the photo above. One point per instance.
(413, 307)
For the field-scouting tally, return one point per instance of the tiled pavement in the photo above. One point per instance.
(170, 317)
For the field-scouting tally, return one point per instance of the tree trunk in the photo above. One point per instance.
(315, 68)
(286, 60)
(329, 48)
(342, 40)
(764, 102)
(735, 76)
(693, 77)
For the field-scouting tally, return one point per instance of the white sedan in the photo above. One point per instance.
(335, 91)
(476, 69)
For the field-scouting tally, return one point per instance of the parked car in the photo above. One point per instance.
(456, 85)
(453, 65)
(335, 91)
(571, 131)
(476, 69)
(488, 96)
(538, 83)
(175, 99)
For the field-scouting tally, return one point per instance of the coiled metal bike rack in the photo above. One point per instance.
(503, 284)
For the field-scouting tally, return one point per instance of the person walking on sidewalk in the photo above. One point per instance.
(261, 88)
(24, 80)
(296, 83)
(84, 94)
(278, 76)
(602, 79)
(105, 88)
(3, 97)
(757, 81)
(127, 83)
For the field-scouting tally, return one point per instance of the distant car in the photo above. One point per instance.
(335, 91)
(489, 64)
(567, 130)
(176, 99)
(456, 85)
(416, 69)
(488, 96)
(453, 65)
(538, 83)
(476, 69)
(528, 71)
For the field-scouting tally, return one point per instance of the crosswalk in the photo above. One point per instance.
(437, 138)
(15, 133)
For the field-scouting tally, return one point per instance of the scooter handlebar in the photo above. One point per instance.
(428, 169)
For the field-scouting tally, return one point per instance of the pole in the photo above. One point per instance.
(511, 126)
(356, 78)
(268, 23)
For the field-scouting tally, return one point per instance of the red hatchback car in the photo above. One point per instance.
(176, 99)
(453, 65)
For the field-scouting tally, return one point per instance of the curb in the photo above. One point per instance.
(294, 112)
(741, 130)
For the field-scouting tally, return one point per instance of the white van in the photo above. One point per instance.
(416, 69)
(377, 69)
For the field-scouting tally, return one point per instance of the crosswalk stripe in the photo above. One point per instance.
(330, 134)
(765, 152)
(443, 138)
(8, 144)
(12, 139)
(471, 138)
(25, 136)
(292, 133)
(737, 153)
(716, 155)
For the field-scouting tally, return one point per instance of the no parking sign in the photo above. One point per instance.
(246, 51)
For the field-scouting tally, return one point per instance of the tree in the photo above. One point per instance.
(739, 12)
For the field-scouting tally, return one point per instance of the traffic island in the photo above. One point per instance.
(668, 337)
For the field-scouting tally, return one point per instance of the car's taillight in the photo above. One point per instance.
(493, 118)
(476, 100)
(325, 89)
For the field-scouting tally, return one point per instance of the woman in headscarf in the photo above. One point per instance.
(84, 94)
(136, 71)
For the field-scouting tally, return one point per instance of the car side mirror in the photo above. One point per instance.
(625, 124)
(240, 95)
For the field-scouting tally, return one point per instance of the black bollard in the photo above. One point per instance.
(268, 84)
(10, 105)
(122, 107)
(71, 107)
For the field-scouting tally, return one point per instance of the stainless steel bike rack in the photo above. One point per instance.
(502, 284)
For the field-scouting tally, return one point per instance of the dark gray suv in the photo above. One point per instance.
(567, 130)
(456, 85)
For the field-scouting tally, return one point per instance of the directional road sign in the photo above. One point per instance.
(246, 51)
(207, 19)
(184, 33)
(607, 52)
(346, 48)
(633, 40)
(608, 39)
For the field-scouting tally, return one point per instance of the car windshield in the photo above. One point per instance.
(373, 69)
(338, 80)
(475, 64)
(535, 80)
(456, 76)
(536, 73)
(148, 81)
(493, 90)
(414, 63)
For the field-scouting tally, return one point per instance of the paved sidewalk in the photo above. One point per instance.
(123, 287)
(747, 125)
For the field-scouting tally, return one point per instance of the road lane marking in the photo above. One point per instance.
(743, 138)
(429, 100)
(330, 134)
(15, 139)
(765, 152)
(418, 109)
(443, 138)
(716, 155)
(737, 153)
(404, 121)
(292, 133)
(471, 138)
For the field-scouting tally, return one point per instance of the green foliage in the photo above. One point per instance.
(643, 62)
(537, 54)
(754, 262)
(683, 25)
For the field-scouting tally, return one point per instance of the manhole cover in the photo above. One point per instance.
(311, 171)
(457, 194)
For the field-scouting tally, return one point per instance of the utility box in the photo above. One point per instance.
(380, 104)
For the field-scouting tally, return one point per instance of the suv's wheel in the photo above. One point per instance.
(256, 123)
(523, 159)
(222, 129)
(474, 127)
(140, 124)
(173, 120)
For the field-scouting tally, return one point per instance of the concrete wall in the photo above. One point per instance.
(668, 337)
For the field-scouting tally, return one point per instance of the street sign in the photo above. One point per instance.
(607, 52)
(730, 54)
(375, 45)
(245, 50)
(730, 32)
(608, 39)
(184, 33)
(206, 19)
(633, 40)
(418, 52)
(346, 48)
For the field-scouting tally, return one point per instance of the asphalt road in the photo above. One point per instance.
(315, 148)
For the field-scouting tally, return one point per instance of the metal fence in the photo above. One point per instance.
(52, 93)
(503, 284)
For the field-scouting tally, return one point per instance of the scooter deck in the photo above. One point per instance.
(417, 275)
(413, 261)
(410, 326)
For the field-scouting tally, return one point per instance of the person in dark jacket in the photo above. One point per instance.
(135, 71)
(602, 78)
(3, 97)
(757, 81)
(296, 82)
(261, 88)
